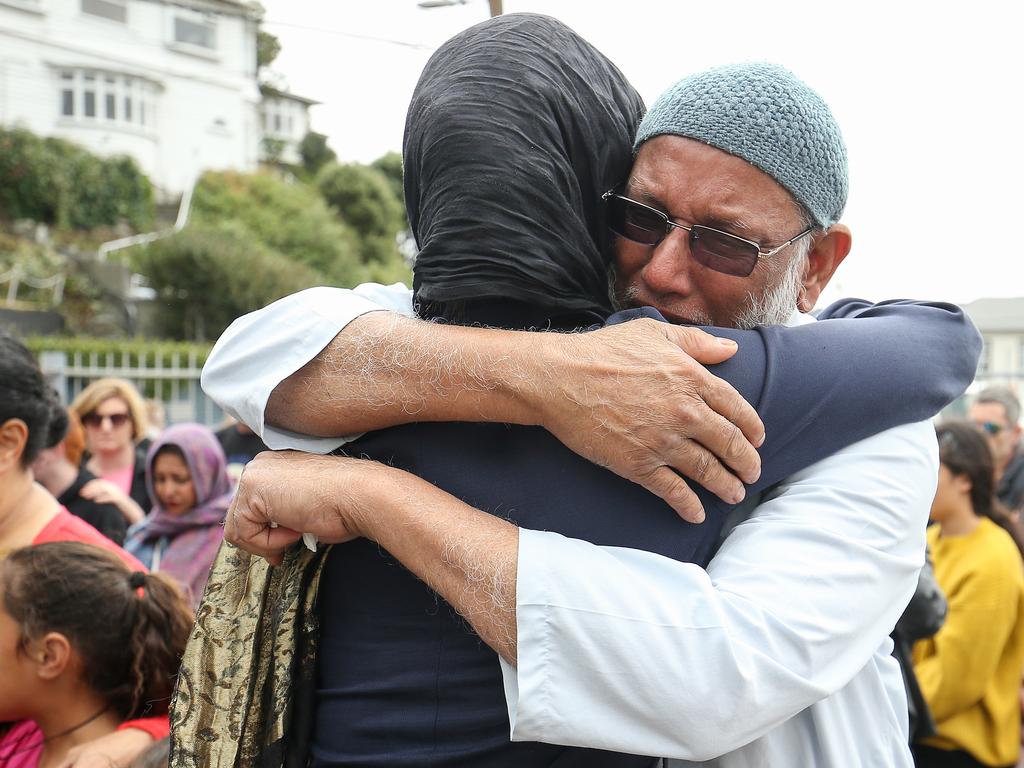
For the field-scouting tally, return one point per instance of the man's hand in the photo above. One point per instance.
(283, 494)
(452, 547)
(636, 398)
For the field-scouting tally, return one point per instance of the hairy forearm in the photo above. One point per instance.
(384, 369)
(467, 556)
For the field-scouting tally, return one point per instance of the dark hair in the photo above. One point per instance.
(964, 450)
(1002, 396)
(25, 395)
(168, 448)
(130, 629)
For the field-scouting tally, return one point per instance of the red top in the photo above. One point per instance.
(66, 527)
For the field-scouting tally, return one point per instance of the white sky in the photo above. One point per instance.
(927, 95)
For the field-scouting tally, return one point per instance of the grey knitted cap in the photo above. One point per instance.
(765, 115)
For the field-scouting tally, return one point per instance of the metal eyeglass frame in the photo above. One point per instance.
(761, 254)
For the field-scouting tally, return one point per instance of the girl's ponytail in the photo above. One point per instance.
(163, 621)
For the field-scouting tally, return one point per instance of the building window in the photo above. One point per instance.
(199, 33)
(67, 94)
(112, 10)
(89, 94)
(983, 362)
(106, 97)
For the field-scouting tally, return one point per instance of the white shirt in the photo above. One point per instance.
(777, 655)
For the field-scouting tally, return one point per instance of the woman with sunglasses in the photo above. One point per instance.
(969, 672)
(114, 416)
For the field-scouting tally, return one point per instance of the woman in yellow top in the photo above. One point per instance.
(970, 671)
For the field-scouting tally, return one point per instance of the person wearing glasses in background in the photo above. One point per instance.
(114, 416)
(778, 654)
(996, 411)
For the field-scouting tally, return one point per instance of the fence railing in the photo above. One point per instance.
(172, 380)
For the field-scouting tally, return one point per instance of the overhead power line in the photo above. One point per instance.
(340, 33)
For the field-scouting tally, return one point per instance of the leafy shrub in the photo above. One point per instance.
(314, 152)
(363, 198)
(56, 182)
(289, 218)
(390, 164)
(206, 276)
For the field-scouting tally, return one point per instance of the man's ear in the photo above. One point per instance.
(53, 655)
(13, 436)
(823, 260)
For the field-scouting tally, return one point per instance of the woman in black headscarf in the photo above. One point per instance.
(516, 128)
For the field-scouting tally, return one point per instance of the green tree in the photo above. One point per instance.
(315, 153)
(207, 276)
(390, 165)
(267, 49)
(363, 198)
(287, 217)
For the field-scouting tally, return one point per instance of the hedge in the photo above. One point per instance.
(124, 352)
(56, 182)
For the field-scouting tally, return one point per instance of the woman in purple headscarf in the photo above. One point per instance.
(186, 473)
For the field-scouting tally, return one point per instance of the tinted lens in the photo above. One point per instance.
(635, 222)
(95, 419)
(722, 252)
(990, 427)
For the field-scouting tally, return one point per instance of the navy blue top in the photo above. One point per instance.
(404, 681)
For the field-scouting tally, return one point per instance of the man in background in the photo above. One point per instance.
(996, 411)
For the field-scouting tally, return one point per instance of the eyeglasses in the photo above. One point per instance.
(95, 420)
(717, 250)
(989, 427)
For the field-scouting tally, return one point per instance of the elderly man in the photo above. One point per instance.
(996, 411)
(779, 653)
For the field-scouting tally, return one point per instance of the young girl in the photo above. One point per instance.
(969, 672)
(85, 644)
(187, 475)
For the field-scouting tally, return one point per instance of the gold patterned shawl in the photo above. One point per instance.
(244, 696)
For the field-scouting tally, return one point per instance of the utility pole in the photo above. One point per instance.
(495, 8)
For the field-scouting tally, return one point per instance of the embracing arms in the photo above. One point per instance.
(630, 398)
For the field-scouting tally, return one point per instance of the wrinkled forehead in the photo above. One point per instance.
(705, 185)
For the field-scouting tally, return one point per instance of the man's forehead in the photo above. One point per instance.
(989, 410)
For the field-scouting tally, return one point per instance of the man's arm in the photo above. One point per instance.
(630, 397)
(629, 651)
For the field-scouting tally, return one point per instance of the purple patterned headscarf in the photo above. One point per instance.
(195, 535)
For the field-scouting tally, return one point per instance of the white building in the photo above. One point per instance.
(170, 83)
(284, 121)
(1001, 322)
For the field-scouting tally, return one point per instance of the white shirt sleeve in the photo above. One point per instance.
(263, 348)
(633, 652)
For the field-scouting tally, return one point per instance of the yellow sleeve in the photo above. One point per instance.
(982, 613)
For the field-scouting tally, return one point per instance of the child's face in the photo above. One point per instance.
(17, 671)
(172, 483)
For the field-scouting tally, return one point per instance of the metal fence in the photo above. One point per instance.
(174, 385)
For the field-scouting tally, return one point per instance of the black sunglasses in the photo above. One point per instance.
(95, 420)
(989, 427)
(712, 248)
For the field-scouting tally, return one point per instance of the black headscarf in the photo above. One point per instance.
(516, 128)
